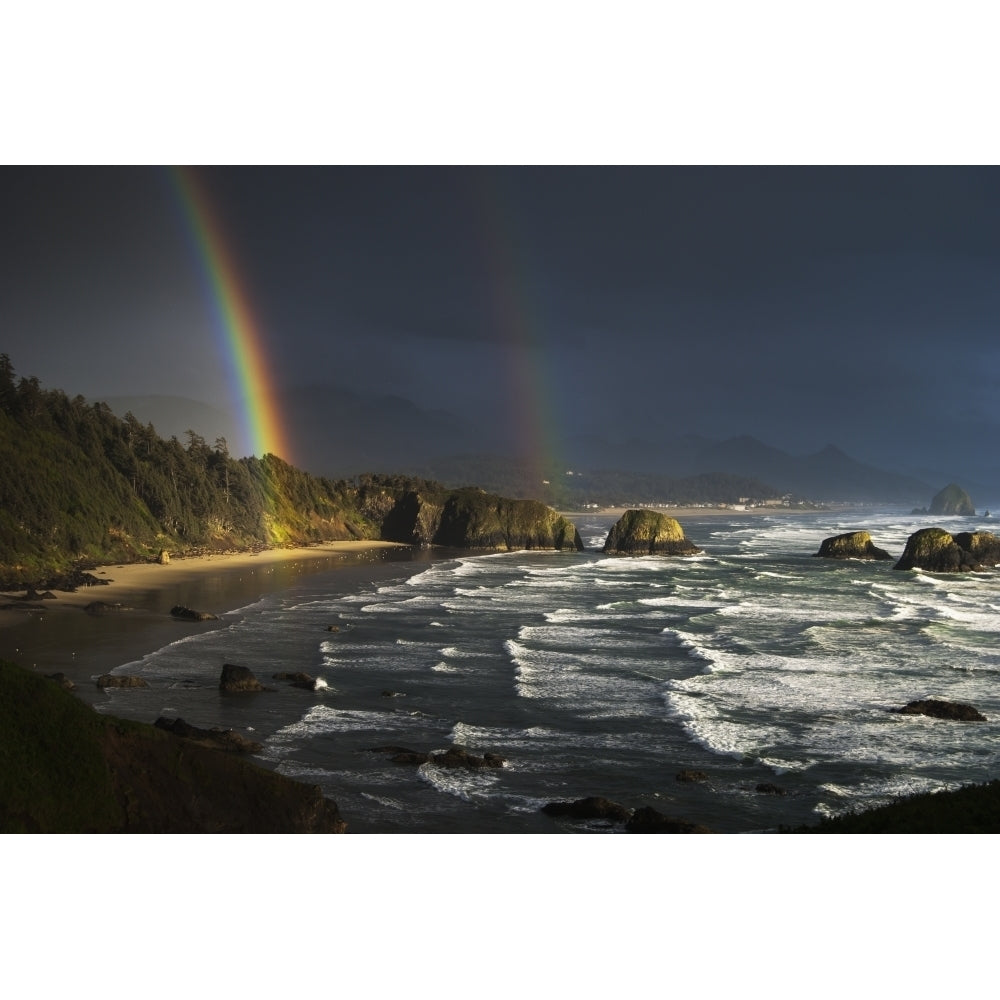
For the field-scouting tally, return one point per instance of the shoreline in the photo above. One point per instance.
(58, 635)
(694, 511)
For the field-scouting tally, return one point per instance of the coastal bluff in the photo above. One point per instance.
(648, 532)
(69, 769)
(471, 518)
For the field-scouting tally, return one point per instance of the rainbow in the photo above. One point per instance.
(519, 314)
(252, 389)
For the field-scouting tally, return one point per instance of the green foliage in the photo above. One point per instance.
(53, 776)
(972, 809)
(81, 486)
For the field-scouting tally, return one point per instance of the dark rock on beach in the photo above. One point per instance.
(938, 708)
(120, 681)
(186, 614)
(851, 545)
(235, 679)
(223, 739)
(62, 680)
(103, 608)
(648, 820)
(70, 581)
(592, 807)
(648, 532)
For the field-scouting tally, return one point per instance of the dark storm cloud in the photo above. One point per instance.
(804, 305)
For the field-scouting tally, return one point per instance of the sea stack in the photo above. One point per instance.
(937, 551)
(851, 545)
(648, 533)
(952, 500)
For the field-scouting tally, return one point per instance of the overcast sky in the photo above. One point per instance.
(856, 306)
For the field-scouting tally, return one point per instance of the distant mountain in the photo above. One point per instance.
(340, 433)
(829, 474)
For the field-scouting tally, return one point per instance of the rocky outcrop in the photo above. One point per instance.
(235, 679)
(69, 769)
(851, 545)
(769, 788)
(646, 819)
(103, 608)
(938, 708)
(690, 776)
(221, 739)
(648, 532)
(983, 546)
(120, 681)
(952, 500)
(455, 756)
(592, 807)
(186, 614)
(937, 551)
(473, 519)
(300, 679)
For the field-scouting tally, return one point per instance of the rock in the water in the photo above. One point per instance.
(983, 546)
(120, 681)
(179, 611)
(648, 820)
(224, 739)
(648, 532)
(454, 757)
(766, 788)
(688, 775)
(103, 608)
(952, 500)
(935, 550)
(851, 545)
(62, 680)
(938, 708)
(592, 807)
(302, 680)
(237, 679)
(460, 757)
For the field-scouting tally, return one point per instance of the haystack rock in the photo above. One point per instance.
(851, 545)
(648, 532)
(952, 500)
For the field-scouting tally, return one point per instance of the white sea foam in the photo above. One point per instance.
(469, 786)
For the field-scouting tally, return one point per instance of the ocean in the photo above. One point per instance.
(752, 664)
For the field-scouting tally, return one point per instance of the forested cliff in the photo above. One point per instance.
(79, 486)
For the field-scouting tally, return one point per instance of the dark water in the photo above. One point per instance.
(592, 675)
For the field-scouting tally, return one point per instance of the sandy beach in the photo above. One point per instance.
(59, 635)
